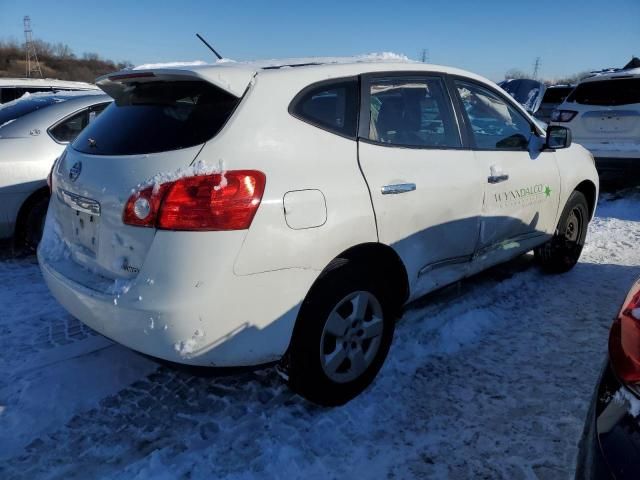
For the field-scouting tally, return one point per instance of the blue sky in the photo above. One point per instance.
(485, 36)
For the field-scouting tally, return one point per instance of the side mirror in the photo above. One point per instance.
(558, 137)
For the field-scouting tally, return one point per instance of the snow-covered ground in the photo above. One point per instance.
(487, 379)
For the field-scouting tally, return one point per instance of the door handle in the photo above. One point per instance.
(398, 188)
(503, 177)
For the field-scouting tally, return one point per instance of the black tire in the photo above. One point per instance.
(33, 224)
(561, 253)
(304, 366)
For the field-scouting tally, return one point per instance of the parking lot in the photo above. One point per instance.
(489, 378)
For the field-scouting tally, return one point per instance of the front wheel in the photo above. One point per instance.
(562, 252)
(342, 336)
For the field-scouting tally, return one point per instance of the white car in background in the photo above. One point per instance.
(603, 113)
(239, 214)
(14, 88)
(34, 131)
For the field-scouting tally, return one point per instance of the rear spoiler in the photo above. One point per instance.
(230, 79)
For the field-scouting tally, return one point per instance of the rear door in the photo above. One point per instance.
(426, 188)
(521, 182)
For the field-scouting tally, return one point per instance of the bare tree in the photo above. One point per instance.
(62, 50)
(515, 73)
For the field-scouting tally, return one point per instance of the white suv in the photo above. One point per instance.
(603, 113)
(238, 214)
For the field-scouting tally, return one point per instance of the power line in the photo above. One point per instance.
(33, 65)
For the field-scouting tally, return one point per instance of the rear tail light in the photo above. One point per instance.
(53, 167)
(216, 201)
(562, 115)
(624, 341)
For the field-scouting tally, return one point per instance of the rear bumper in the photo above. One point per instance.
(611, 437)
(613, 151)
(184, 308)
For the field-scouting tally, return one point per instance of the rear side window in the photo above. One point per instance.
(67, 130)
(332, 106)
(151, 117)
(610, 93)
(412, 112)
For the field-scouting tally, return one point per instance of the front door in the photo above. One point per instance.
(426, 189)
(522, 183)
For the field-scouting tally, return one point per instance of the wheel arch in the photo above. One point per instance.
(588, 189)
(29, 202)
(376, 259)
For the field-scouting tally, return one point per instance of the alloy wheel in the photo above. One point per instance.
(351, 336)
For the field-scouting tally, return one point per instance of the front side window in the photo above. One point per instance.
(495, 124)
(158, 116)
(331, 106)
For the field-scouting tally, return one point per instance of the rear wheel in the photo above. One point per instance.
(342, 336)
(562, 252)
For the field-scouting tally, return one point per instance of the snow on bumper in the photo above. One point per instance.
(186, 305)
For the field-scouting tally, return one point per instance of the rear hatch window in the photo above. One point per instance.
(610, 93)
(159, 116)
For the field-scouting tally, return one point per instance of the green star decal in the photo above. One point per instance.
(547, 191)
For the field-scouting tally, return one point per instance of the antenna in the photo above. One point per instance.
(33, 66)
(209, 46)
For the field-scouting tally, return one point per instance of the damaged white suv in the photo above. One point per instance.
(240, 214)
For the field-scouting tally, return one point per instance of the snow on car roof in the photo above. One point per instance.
(45, 82)
(64, 94)
(57, 97)
(609, 75)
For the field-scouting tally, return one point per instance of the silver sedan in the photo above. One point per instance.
(34, 131)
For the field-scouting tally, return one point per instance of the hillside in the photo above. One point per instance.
(56, 61)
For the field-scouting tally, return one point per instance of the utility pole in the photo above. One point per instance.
(33, 66)
(424, 55)
(536, 67)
